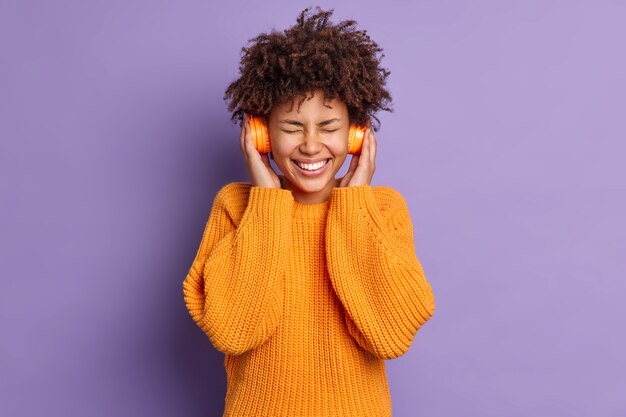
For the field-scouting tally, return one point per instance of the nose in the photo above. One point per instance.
(311, 144)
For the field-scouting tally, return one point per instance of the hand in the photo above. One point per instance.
(362, 166)
(258, 165)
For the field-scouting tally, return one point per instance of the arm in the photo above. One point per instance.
(234, 287)
(374, 270)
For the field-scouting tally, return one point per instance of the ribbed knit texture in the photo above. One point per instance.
(306, 301)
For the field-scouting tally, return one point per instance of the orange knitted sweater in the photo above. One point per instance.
(306, 301)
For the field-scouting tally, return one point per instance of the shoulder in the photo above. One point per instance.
(388, 199)
(233, 199)
(395, 212)
(233, 192)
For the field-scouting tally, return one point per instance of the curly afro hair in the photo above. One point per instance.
(313, 54)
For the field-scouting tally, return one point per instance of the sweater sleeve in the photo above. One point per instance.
(374, 270)
(234, 288)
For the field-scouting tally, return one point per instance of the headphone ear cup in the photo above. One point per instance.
(260, 134)
(355, 139)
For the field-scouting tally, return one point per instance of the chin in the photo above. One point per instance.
(312, 185)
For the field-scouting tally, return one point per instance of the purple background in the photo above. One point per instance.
(507, 142)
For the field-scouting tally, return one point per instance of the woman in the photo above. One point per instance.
(306, 282)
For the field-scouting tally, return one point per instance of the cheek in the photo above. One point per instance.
(281, 148)
(339, 146)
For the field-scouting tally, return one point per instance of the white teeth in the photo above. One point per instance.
(312, 167)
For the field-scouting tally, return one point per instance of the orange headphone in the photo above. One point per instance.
(261, 138)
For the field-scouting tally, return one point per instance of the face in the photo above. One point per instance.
(316, 133)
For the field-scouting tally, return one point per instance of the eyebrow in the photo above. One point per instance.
(297, 123)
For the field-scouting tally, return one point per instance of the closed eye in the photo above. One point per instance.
(296, 131)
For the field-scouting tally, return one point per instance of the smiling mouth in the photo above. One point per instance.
(312, 168)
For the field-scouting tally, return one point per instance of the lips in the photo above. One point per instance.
(310, 161)
(319, 164)
(316, 172)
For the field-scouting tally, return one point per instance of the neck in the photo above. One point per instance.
(308, 198)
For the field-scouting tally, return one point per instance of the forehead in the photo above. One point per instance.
(310, 103)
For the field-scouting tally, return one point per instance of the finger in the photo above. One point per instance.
(365, 149)
(354, 162)
(345, 180)
(242, 136)
(270, 169)
(372, 147)
(248, 143)
(266, 160)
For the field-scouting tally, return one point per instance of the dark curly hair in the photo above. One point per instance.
(313, 54)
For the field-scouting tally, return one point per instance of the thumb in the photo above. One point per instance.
(265, 159)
